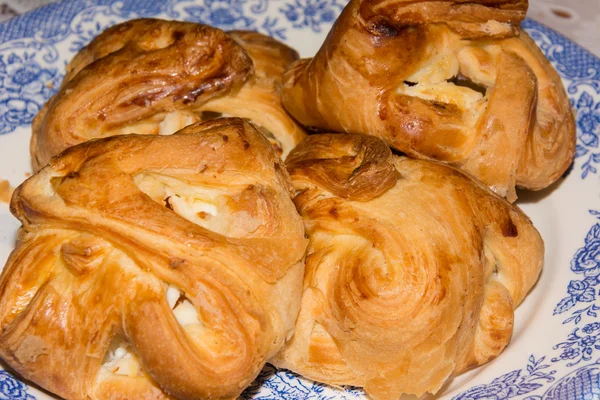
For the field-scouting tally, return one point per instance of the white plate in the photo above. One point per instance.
(555, 349)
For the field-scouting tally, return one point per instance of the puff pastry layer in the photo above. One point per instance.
(153, 267)
(413, 268)
(150, 76)
(453, 80)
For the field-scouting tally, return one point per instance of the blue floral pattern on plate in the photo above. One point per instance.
(12, 389)
(312, 13)
(512, 384)
(35, 47)
(24, 88)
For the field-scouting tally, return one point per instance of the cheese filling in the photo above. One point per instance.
(182, 307)
(120, 360)
(435, 82)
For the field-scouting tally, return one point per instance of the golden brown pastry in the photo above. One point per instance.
(455, 81)
(151, 76)
(153, 267)
(413, 268)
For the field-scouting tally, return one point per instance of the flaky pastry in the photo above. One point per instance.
(150, 76)
(413, 268)
(153, 267)
(452, 80)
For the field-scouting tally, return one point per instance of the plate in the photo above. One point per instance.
(555, 350)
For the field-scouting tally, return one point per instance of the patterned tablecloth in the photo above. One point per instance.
(579, 20)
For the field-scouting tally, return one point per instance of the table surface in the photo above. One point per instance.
(579, 20)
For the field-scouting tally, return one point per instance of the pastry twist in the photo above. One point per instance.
(453, 80)
(153, 267)
(151, 76)
(413, 269)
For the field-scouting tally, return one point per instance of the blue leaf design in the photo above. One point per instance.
(585, 101)
(528, 387)
(13, 58)
(511, 377)
(564, 305)
(580, 151)
(593, 233)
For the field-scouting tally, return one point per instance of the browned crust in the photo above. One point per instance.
(143, 69)
(410, 286)
(355, 84)
(95, 255)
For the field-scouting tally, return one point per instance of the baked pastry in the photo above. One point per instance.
(151, 76)
(454, 80)
(413, 268)
(153, 267)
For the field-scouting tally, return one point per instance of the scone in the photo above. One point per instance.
(412, 272)
(151, 76)
(455, 81)
(153, 267)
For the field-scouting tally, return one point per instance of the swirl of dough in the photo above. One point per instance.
(454, 81)
(407, 287)
(150, 76)
(154, 266)
(354, 168)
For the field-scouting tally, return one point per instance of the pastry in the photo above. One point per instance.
(153, 267)
(455, 81)
(413, 268)
(151, 76)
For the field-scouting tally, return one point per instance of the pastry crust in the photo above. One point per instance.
(455, 81)
(151, 76)
(153, 267)
(413, 268)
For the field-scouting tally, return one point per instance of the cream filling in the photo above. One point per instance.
(213, 209)
(175, 121)
(200, 206)
(431, 83)
(182, 307)
(120, 360)
(444, 65)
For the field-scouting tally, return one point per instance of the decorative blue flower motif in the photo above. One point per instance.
(588, 124)
(570, 353)
(587, 259)
(23, 75)
(586, 262)
(513, 384)
(588, 120)
(312, 13)
(591, 328)
(580, 289)
(24, 87)
(12, 389)
(577, 347)
(226, 14)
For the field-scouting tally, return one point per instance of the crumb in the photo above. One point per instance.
(28, 174)
(6, 191)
